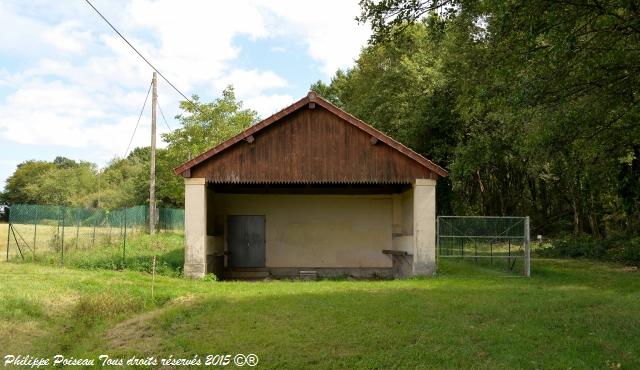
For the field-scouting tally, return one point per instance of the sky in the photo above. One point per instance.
(69, 86)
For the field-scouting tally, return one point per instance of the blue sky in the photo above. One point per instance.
(69, 86)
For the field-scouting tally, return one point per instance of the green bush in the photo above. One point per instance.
(210, 277)
(616, 247)
(626, 251)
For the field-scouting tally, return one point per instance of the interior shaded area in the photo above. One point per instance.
(329, 229)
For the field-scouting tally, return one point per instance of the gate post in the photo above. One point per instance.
(8, 238)
(527, 248)
(438, 245)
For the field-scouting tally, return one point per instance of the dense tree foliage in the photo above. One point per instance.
(399, 87)
(62, 181)
(531, 106)
(125, 181)
(207, 124)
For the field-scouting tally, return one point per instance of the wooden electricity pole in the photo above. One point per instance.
(152, 174)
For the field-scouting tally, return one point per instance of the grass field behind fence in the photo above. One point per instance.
(109, 251)
(94, 238)
(498, 255)
(493, 242)
(570, 314)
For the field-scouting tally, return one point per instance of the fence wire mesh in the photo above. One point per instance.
(496, 243)
(58, 233)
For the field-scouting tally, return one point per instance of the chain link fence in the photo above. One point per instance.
(493, 243)
(58, 233)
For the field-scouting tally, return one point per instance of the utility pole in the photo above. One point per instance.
(152, 174)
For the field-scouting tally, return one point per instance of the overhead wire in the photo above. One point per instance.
(140, 54)
(138, 123)
(162, 114)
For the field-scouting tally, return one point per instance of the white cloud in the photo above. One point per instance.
(195, 37)
(250, 82)
(51, 113)
(20, 35)
(66, 117)
(69, 36)
(81, 86)
(253, 88)
(267, 105)
(328, 29)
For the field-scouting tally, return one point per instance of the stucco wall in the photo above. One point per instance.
(195, 201)
(316, 230)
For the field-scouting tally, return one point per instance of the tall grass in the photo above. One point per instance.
(109, 254)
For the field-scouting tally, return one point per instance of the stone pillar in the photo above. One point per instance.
(424, 227)
(195, 227)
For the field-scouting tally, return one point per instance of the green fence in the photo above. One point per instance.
(57, 232)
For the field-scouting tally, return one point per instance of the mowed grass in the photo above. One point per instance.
(570, 314)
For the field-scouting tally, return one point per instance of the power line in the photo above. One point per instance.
(140, 54)
(162, 114)
(137, 123)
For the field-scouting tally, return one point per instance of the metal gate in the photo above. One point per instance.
(489, 243)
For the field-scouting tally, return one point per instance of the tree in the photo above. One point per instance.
(203, 126)
(207, 124)
(548, 93)
(63, 181)
(397, 86)
(25, 173)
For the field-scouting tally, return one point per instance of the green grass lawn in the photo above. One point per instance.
(570, 314)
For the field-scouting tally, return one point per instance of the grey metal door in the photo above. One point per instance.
(246, 238)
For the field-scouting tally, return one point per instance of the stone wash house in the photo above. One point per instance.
(310, 191)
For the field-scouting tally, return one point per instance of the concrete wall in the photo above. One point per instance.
(424, 227)
(195, 231)
(317, 230)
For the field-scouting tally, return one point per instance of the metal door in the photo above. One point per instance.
(246, 238)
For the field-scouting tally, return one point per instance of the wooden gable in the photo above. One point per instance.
(310, 143)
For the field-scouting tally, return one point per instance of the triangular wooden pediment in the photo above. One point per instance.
(311, 142)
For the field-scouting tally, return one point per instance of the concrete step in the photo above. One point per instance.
(246, 274)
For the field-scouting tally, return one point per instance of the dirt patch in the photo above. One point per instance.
(629, 268)
(138, 333)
